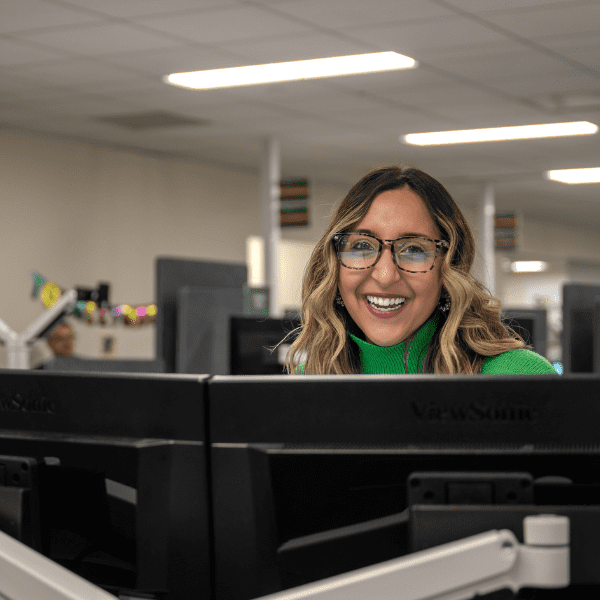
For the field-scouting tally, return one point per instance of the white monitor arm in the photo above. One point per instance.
(27, 575)
(479, 564)
(17, 344)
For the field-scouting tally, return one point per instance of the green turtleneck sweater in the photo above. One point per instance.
(389, 360)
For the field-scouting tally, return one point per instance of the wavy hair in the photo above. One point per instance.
(471, 330)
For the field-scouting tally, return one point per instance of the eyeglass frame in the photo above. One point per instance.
(388, 243)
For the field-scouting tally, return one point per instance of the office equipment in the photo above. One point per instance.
(91, 365)
(121, 477)
(581, 328)
(253, 342)
(173, 274)
(28, 575)
(311, 475)
(479, 564)
(18, 345)
(531, 325)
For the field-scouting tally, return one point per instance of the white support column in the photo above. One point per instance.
(270, 218)
(486, 226)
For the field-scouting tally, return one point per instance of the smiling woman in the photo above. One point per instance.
(388, 289)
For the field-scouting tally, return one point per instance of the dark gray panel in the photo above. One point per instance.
(531, 325)
(580, 331)
(203, 328)
(173, 274)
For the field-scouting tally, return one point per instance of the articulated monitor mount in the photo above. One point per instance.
(459, 570)
(27, 575)
(17, 344)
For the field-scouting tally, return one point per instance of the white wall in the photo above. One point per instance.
(80, 214)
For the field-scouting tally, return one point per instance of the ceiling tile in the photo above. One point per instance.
(460, 49)
(557, 19)
(476, 6)
(581, 47)
(257, 118)
(76, 72)
(135, 8)
(557, 83)
(433, 33)
(16, 52)
(295, 47)
(489, 67)
(101, 38)
(332, 14)
(25, 15)
(174, 60)
(82, 106)
(166, 96)
(224, 25)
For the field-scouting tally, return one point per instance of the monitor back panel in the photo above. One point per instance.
(125, 464)
(309, 473)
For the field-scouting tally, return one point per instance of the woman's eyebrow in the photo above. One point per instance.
(405, 234)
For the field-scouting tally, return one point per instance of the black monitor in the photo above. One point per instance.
(90, 365)
(253, 341)
(174, 274)
(106, 474)
(531, 325)
(310, 474)
(581, 328)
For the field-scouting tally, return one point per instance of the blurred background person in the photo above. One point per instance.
(61, 342)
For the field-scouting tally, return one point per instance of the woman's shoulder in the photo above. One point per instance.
(517, 362)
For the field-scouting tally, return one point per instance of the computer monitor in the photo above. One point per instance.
(114, 486)
(253, 342)
(531, 325)
(91, 365)
(173, 274)
(310, 474)
(581, 328)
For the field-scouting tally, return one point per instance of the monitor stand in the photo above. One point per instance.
(27, 575)
(479, 564)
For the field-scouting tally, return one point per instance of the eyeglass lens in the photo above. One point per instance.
(358, 251)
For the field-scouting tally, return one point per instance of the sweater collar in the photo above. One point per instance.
(390, 359)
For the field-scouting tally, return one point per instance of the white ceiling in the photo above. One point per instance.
(482, 63)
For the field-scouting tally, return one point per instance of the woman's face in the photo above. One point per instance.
(392, 214)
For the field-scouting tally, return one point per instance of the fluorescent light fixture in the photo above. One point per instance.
(291, 71)
(528, 266)
(496, 134)
(575, 175)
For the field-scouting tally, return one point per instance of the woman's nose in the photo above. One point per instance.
(385, 271)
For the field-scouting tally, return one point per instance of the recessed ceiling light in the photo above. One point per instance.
(291, 71)
(528, 266)
(496, 134)
(575, 175)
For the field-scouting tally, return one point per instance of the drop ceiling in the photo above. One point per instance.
(75, 68)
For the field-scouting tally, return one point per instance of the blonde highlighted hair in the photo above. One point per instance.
(472, 329)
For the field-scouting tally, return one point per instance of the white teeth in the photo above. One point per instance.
(379, 303)
(385, 301)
